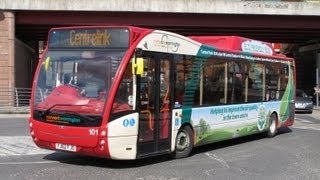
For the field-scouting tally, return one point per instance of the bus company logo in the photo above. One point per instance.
(145, 45)
(262, 118)
(63, 120)
(256, 47)
(167, 44)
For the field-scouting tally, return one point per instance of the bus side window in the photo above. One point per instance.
(236, 82)
(255, 84)
(187, 81)
(239, 83)
(124, 92)
(179, 82)
(284, 76)
(272, 77)
(214, 82)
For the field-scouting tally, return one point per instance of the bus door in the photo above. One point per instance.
(154, 101)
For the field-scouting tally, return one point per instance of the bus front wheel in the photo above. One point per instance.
(184, 142)
(272, 130)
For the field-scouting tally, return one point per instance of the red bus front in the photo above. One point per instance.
(75, 81)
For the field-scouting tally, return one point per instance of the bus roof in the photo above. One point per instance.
(237, 43)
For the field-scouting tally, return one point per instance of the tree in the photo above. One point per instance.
(203, 126)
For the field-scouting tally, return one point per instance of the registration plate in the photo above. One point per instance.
(300, 105)
(66, 147)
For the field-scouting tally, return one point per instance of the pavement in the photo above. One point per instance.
(14, 110)
(11, 115)
(316, 112)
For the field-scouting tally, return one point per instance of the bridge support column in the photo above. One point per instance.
(7, 79)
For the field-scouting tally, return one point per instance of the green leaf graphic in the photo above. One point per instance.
(287, 97)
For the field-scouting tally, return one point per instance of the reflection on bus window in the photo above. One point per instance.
(88, 76)
(123, 101)
(272, 81)
(214, 82)
(187, 81)
(255, 84)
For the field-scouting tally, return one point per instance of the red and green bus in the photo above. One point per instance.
(123, 92)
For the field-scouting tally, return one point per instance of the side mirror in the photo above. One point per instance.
(46, 63)
(138, 66)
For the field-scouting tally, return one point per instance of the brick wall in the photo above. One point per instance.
(6, 56)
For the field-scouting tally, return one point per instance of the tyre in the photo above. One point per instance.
(272, 130)
(184, 142)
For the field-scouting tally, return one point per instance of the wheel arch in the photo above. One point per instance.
(185, 128)
(277, 118)
(272, 127)
(191, 127)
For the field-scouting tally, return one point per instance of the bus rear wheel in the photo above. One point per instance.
(184, 142)
(272, 130)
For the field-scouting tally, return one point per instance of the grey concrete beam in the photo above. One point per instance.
(169, 6)
(310, 47)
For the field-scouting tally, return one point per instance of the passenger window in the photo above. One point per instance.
(255, 83)
(187, 80)
(123, 99)
(214, 82)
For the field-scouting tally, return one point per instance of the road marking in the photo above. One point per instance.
(19, 145)
(31, 162)
(219, 159)
(210, 172)
(305, 127)
(157, 177)
(303, 120)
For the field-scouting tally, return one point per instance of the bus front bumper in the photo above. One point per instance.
(69, 139)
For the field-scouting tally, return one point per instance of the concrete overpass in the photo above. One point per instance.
(270, 21)
(24, 23)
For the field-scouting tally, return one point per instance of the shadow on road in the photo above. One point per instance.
(75, 159)
(237, 141)
(69, 158)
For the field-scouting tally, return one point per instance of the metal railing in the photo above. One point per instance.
(14, 100)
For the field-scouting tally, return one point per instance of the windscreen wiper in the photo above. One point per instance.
(44, 113)
(80, 115)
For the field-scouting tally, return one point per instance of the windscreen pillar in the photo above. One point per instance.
(317, 88)
(7, 35)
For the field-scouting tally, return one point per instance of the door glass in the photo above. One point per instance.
(147, 90)
(155, 101)
(164, 98)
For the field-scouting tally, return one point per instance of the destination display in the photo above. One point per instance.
(89, 38)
